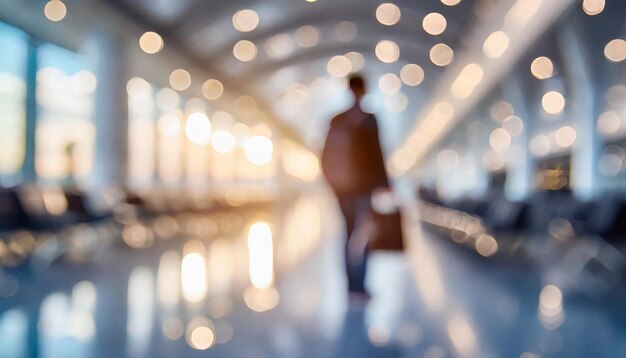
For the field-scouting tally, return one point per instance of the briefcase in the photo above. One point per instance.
(387, 235)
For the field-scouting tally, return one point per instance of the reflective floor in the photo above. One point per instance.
(217, 292)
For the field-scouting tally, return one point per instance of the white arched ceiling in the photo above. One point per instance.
(204, 30)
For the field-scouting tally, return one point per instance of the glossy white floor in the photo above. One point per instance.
(222, 294)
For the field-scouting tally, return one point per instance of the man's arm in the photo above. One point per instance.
(376, 155)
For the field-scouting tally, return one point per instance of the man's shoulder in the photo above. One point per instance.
(338, 118)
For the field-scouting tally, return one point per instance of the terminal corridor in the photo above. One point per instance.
(172, 184)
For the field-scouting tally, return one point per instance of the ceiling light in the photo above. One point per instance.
(151, 42)
(441, 55)
(55, 10)
(388, 14)
(387, 51)
(245, 20)
(434, 23)
(245, 50)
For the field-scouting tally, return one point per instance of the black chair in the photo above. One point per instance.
(12, 215)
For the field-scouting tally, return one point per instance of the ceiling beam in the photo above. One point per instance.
(523, 22)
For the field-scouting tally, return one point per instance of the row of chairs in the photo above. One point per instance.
(548, 212)
(43, 223)
(579, 245)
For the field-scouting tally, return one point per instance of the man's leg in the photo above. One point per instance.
(346, 203)
(354, 208)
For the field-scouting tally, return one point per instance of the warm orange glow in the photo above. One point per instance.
(180, 80)
(193, 272)
(151, 42)
(261, 255)
(198, 128)
(55, 10)
(212, 89)
(496, 44)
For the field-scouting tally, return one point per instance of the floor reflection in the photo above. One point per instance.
(269, 283)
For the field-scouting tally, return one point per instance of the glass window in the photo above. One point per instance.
(12, 102)
(65, 132)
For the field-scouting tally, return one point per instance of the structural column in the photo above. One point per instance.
(520, 181)
(585, 153)
(106, 54)
(28, 167)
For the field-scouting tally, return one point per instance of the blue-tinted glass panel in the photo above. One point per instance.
(65, 131)
(14, 44)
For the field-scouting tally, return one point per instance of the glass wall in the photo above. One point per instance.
(65, 132)
(12, 102)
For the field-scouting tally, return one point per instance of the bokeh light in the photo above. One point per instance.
(169, 125)
(412, 74)
(565, 136)
(245, 20)
(553, 102)
(441, 55)
(307, 36)
(151, 42)
(223, 141)
(356, 59)
(486, 245)
(469, 78)
(540, 145)
(404, 159)
(615, 50)
(339, 66)
(388, 14)
(387, 51)
(198, 128)
(593, 7)
(261, 255)
(542, 68)
(514, 125)
(496, 44)
(389, 83)
(500, 139)
(245, 51)
(346, 31)
(180, 79)
(609, 123)
(259, 150)
(55, 10)
(396, 103)
(279, 46)
(193, 273)
(501, 110)
(434, 23)
(212, 89)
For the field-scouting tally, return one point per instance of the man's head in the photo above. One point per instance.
(357, 86)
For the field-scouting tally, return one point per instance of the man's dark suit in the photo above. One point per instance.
(366, 160)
